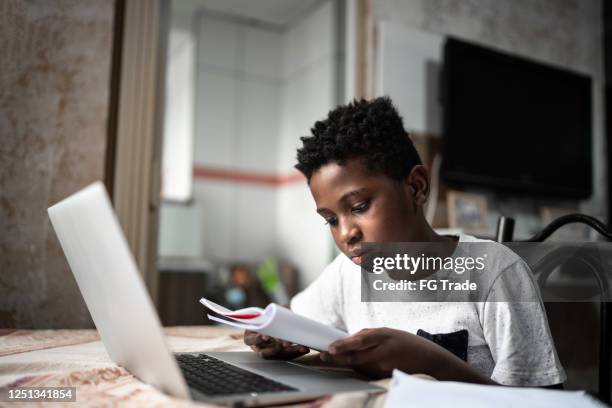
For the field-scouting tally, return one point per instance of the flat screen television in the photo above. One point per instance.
(515, 125)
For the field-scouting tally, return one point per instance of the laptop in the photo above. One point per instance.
(108, 278)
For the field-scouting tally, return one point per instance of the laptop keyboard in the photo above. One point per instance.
(215, 377)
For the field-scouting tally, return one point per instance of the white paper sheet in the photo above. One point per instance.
(281, 323)
(264, 313)
(408, 391)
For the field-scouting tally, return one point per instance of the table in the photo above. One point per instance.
(77, 358)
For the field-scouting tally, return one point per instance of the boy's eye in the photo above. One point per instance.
(360, 207)
(331, 221)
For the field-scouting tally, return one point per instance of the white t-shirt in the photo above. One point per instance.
(509, 342)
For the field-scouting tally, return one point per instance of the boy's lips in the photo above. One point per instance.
(355, 256)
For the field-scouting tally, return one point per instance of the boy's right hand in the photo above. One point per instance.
(269, 347)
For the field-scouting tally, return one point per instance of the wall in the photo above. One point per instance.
(54, 93)
(239, 86)
(177, 149)
(309, 92)
(564, 33)
(180, 233)
(260, 86)
(236, 128)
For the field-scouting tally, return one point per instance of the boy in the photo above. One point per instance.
(369, 185)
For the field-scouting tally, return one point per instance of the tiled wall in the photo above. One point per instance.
(309, 92)
(54, 92)
(238, 105)
(259, 88)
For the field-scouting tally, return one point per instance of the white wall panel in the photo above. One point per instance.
(216, 122)
(218, 43)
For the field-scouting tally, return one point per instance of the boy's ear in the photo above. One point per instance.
(418, 184)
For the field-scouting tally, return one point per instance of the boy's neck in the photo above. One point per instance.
(427, 233)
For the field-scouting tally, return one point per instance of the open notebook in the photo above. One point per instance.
(279, 322)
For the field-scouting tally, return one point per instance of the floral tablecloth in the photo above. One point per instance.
(76, 358)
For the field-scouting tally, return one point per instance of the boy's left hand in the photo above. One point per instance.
(378, 351)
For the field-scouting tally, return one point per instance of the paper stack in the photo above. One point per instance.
(279, 322)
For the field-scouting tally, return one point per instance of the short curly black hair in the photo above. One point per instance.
(371, 131)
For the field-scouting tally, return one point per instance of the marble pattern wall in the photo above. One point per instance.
(564, 32)
(54, 93)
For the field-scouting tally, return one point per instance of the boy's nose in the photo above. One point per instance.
(350, 234)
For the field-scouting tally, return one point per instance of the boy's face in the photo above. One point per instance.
(360, 206)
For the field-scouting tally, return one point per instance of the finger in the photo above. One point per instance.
(261, 341)
(342, 359)
(254, 339)
(297, 349)
(269, 352)
(360, 341)
(290, 353)
(250, 339)
(353, 358)
(278, 351)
